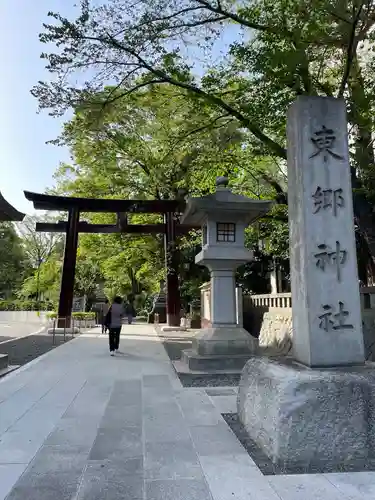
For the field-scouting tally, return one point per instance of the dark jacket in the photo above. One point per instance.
(129, 310)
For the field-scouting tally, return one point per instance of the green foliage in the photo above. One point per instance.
(13, 266)
(79, 316)
(25, 305)
(142, 146)
(88, 275)
(38, 246)
(285, 48)
(45, 281)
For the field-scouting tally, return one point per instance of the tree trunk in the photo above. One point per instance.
(363, 173)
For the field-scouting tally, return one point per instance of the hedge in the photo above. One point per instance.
(25, 305)
(76, 315)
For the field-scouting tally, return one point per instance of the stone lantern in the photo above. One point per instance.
(223, 217)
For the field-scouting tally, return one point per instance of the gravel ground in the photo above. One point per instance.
(26, 349)
(210, 379)
(268, 468)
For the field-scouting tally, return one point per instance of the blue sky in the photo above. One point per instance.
(26, 161)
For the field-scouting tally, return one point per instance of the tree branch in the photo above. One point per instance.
(238, 19)
(351, 49)
(165, 78)
(171, 16)
(195, 24)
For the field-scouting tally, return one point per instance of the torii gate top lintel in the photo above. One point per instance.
(103, 205)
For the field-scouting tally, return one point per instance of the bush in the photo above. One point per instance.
(84, 315)
(143, 313)
(79, 316)
(25, 305)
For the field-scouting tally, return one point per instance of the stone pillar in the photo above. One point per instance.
(320, 415)
(273, 279)
(223, 297)
(326, 304)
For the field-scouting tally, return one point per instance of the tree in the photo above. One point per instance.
(45, 281)
(13, 267)
(142, 147)
(87, 277)
(37, 246)
(286, 49)
(150, 144)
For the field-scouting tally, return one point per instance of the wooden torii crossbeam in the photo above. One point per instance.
(74, 206)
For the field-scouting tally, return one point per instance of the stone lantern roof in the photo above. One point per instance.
(224, 202)
(8, 212)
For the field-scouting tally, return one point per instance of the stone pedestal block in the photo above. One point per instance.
(62, 331)
(218, 362)
(220, 348)
(308, 417)
(227, 341)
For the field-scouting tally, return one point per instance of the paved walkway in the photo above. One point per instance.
(77, 424)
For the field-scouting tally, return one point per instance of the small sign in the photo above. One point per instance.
(78, 304)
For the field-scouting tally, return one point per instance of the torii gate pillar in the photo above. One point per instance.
(69, 267)
(172, 267)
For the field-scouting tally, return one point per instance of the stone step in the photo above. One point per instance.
(214, 362)
(182, 368)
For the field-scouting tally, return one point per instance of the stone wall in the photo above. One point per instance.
(270, 317)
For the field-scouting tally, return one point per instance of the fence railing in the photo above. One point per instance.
(284, 300)
(277, 301)
(69, 325)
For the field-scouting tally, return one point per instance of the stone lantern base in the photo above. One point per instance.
(220, 348)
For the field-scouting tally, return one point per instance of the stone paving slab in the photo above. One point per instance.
(110, 481)
(77, 424)
(9, 474)
(179, 489)
(171, 460)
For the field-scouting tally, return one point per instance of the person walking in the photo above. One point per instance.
(104, 311)
(114, 322)
(130, 312)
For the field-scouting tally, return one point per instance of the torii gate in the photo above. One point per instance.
(74, 206)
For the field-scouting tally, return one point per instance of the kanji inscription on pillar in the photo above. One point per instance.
(331, 199)
(324, 142)
(326, 258)
(333, 318)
